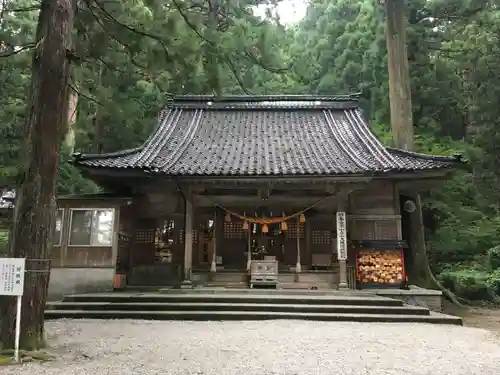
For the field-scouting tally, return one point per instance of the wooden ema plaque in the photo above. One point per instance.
(380, 268)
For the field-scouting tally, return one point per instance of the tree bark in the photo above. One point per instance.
(402, 130)
(402, 127)
(211, 63)
(399, 77)
(69, 139)
(44, 129)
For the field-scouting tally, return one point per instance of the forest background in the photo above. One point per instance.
(132, 56)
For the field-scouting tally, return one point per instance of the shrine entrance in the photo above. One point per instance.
(267, 243)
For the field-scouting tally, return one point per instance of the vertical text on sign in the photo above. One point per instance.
(12, 276)
(341, 236)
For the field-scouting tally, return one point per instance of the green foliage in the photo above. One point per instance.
(469, 285)
(133, 55)
(70, 179)
(494, 258)
(4, 242)
(473, 285)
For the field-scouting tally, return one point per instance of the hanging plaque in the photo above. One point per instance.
(341, 236)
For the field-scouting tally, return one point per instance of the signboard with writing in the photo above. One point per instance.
(341, 236)
(12, 276)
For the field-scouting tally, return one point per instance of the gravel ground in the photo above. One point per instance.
(264, 348)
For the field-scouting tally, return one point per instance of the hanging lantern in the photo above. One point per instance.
(227, 218)
(284, 227)
(265, 229)
(245, 223)
(302, 219)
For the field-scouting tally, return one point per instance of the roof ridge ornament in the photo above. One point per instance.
(266, 102)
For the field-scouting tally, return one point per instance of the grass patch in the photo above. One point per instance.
(6, 360)
(7, 356)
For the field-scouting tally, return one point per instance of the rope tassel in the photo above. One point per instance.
(284, 226)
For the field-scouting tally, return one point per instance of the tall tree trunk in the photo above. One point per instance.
(69, 139)
(402, 128)
(44, 129)
(399, 77)
(211, 63)
(98, 116)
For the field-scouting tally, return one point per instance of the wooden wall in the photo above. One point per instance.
(68, 256)
(374, 214)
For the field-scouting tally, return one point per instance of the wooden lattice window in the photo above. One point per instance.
(375, 230)
(292, 231)
(233, 230)
(321, 237)
(145, 236)
(365, 230)
(194, 234)
(166, 235)
(386, 230)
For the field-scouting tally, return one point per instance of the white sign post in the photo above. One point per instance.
(12, 284)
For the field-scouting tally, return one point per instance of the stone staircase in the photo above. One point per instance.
(233, 305)
(233, 280)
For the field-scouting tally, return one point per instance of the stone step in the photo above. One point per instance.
(230, 307)
(227, 284)
(265, 296)
(299, 286)
(251, 315)
(301, 291)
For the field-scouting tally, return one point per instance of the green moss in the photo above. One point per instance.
(32, 343)
(5, 360)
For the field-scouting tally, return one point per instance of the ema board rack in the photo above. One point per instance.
(380, 264)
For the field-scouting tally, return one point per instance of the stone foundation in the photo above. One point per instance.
(429, 298)
(64, 281)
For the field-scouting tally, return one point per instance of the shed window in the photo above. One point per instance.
(91, 227)
(58, 227)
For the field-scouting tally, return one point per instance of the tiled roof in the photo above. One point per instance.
(249, 136)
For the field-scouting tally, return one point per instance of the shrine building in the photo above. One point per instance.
(246, 191)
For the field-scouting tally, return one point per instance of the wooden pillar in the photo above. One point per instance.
(308, 235)
(298, 266)
(213, 264)
(249, 246)
(188, 242)
(342, 246)
(114, 243)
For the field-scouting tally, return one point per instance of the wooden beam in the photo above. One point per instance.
(278, 203)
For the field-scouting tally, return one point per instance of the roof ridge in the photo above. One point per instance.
(261, 142)
(456, 158)
(261, 98)
(371, 137)
(77, 156)
(189, 133)
(159, 138)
